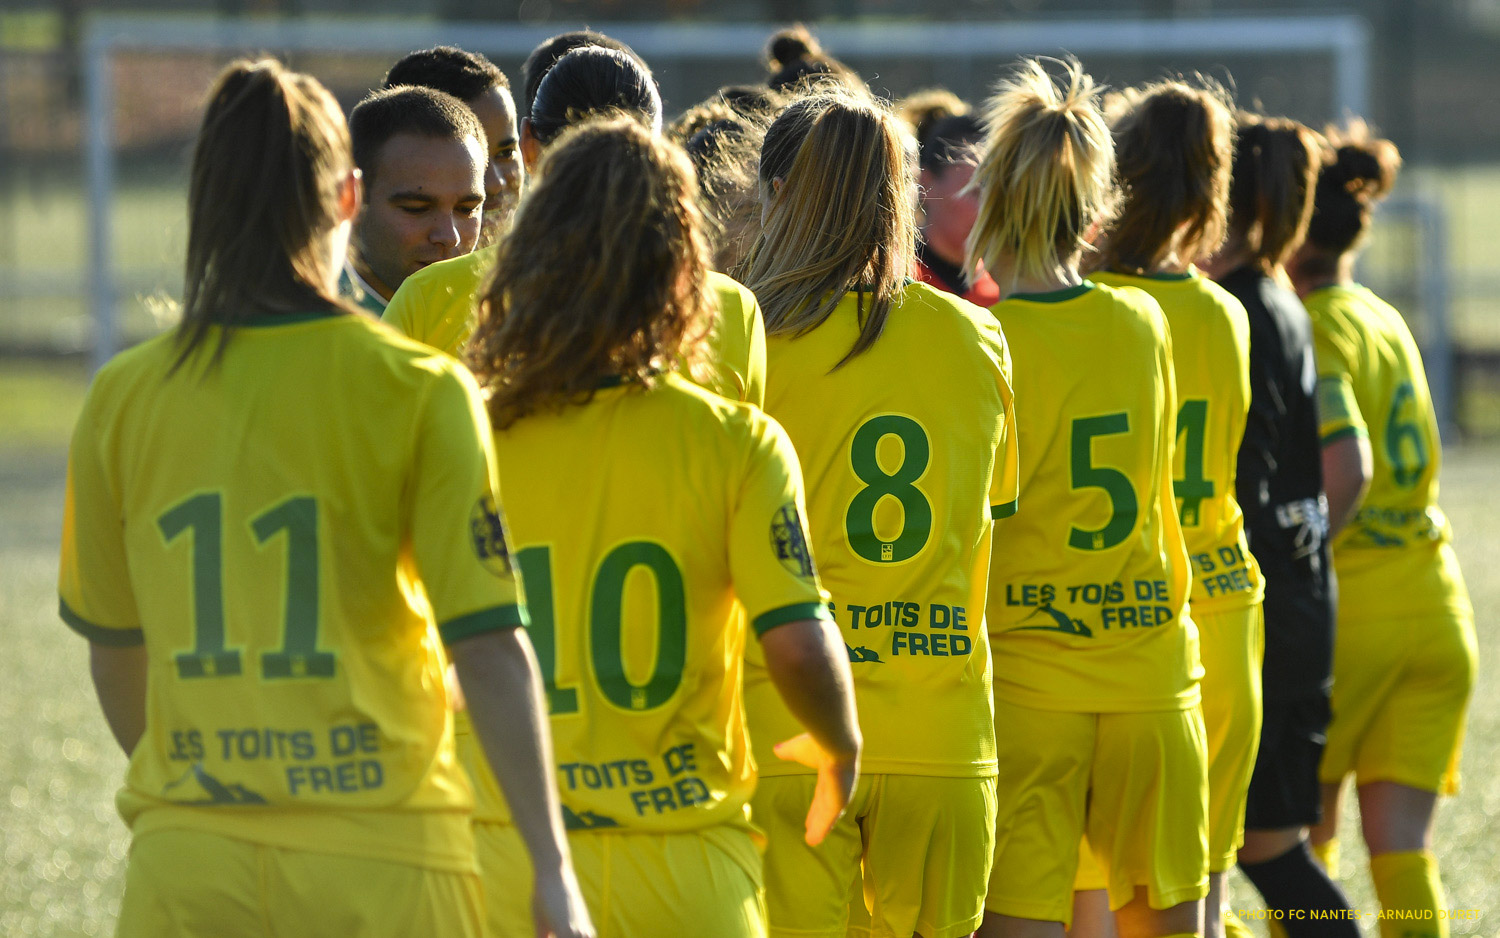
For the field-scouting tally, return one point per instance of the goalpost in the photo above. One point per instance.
(1344, 39)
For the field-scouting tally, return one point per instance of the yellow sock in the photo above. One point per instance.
(1327, 853)
(1408, 885)
(1275, 928)
(1235, 927)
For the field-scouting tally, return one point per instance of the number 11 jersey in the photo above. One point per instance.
(909, 452)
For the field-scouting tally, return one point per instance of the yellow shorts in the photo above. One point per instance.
(1400, 695)
(1232, 644)
(1135, 783)
(637, 885)
(920, 846)
(190, 883)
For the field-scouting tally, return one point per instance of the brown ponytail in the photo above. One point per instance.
(1173, 154)
(1359, 173)
(1276, 164)
(270, 159)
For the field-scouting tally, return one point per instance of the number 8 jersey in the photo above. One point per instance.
(910, 452)
(1089, 586)
(282, 529)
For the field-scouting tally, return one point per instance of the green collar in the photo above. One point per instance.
(1054, 296)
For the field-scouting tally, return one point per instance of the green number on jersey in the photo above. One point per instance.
(535, 564)
(606, 626)
(1192, 488)
(203, 514)
(1403, 439)
(1116, 484)
(298, 657)
(859, 520)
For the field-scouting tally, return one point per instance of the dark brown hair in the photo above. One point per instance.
(1358, 172)
(795, 59)
(546, 55)
(1174, 148)
(271, 157)
(1276, 162)
(593, 81)
(603, 278)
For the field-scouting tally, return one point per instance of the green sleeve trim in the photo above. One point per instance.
(98, 634)
(493, 619)
(767, 621)
(1004, 511)
(1333, 436)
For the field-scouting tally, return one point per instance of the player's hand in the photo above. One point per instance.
(557, 905)
(836, 778)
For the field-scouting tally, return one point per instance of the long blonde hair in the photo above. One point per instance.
(1174, 146)
(1046, 175)
(842, 219)
(270, 159)
(603, 279)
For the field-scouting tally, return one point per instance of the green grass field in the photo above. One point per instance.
(64, 846)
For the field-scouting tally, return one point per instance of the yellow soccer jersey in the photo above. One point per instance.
(438, 303)
(1211, 363)
(1089, 585)
(282, 530)
(909, 452)
(649, 527)
(1371, 382)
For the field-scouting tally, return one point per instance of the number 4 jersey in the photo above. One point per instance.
(910, 452)
(1088, 586)
(283, 529)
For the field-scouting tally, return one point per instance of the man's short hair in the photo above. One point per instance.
(406, 109)
(463, 74)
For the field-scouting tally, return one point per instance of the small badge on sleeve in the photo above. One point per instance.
(487, 533)
(789, 541)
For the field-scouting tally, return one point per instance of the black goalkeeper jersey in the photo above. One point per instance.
(1280, 487)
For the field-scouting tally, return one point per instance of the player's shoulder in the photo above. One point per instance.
(730, 293)
(738, 424)
(932, 311)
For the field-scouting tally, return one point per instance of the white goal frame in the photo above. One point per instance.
(1346, 39)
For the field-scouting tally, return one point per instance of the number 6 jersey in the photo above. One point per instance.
(909, 451)
(1390, 558)
(282, 529)
(1089, 586)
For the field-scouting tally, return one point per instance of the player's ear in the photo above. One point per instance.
(351, 195)
(531, 147)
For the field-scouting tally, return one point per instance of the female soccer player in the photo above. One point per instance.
(1279, 485)
(948, 138)
(273, 512)
(1174, 147)
(1096, 661)
(1404, 652)
(897, 397)
(439, 305)
(651, 519)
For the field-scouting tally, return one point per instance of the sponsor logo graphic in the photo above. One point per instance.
(1061, 623)
(790, 542)
(487, 533)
